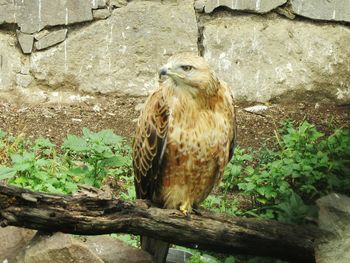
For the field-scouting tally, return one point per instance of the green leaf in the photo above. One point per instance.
(249, 170)
(230, 259)
(41, 143)
(109, 138)
(7, 172)
(2, 134)
(21, 167)
(20, 180)
(235, 170)
(71, 187)
(42, 162)
(116, 161)
(75, 171)
(89, 180)
(75, 143)
(41, 175)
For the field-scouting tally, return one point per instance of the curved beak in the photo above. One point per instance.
(163, 71)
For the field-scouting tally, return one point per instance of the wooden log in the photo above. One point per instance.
(94, 215)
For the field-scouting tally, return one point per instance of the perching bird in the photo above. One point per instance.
(184, 138)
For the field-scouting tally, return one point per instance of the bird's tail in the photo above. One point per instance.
(157, 248)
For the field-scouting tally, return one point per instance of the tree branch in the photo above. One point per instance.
(86, 215)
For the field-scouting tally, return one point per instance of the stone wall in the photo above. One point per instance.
(267, 50)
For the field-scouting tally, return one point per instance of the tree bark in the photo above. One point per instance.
(94, 215)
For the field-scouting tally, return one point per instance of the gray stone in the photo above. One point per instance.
(58, 248)
(121, 54)
(178, 255)
(32, 16)
(12, 240)
(7, 11)
(337, 10)
(51, 39)
(258, 6)
(272, 58)
(10, 61)
(334, 217)
(199, 5)
(117, 3)
(112, 250)
(285, 11)
(101, 13)
(25, 69)
(23, 80)
(95, 4)
(25, 41)
(41, 34)
(256, 108)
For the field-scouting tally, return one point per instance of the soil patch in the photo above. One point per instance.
(55, 121)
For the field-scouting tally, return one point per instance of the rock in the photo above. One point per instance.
(41, 34)
(7, 11)
(32, 16)
(25, 69)
(101, 13)
(23, 80)
(285, 11)
(112, 250)
(273, 58)
(258, 6)
(337, 10)
(199, 5)
(12, 240)
(51, 39)
(10, 61)
(334, 216)
(121, 54)
(256, 108)
(98, 4)
(117, 3)
(176, 255)
(25, 41)
(58, 248)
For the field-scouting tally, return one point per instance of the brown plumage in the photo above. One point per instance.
(184, 139)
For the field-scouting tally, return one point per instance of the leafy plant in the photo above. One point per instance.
(81, 160)
(95, 155)
(279, 183)
(128, 239)
(236, 168)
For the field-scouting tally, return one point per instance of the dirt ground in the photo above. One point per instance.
(55, 121)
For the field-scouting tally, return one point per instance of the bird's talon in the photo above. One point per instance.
(196, 211)
(186, 213)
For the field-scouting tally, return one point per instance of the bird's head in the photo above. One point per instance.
(188, 71)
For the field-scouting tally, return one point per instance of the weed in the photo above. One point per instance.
(81, 160)
(306, 166)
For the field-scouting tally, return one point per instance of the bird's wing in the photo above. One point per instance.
(149, 145)
(233, 123)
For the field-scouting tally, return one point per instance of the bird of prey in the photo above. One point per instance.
(185, 136)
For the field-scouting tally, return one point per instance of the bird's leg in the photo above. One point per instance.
(186, 208)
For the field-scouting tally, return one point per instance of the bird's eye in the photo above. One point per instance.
(186, 67)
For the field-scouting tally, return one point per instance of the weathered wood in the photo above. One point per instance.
(86, 215)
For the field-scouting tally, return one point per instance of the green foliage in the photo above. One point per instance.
(307, 165)
(95, 155)
(222, 204)
(202, 257)
(128, 239)
(81, 160)
(236, 168)
(280, 183)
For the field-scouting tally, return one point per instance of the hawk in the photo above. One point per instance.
(184, 138)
